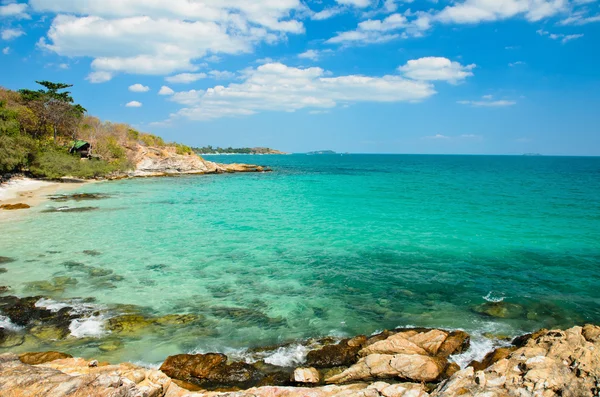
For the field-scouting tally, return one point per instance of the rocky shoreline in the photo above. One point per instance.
(414, 362)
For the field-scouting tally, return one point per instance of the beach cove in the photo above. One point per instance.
(325, 246)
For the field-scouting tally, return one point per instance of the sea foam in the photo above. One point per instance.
(90, 325)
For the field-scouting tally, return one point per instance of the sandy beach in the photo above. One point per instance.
(32, 192)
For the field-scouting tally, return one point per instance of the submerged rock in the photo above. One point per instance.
(79, 197)
(42, 358)
(500, 310)
(3, 270)
(92, 252)
(10, 339)
(70, 209)
(128, 324)
(12, 207)
(6, 259)
(4, 289)
(57, 285)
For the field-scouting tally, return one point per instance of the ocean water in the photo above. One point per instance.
(324, 245)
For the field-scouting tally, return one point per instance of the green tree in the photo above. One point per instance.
(54, 109)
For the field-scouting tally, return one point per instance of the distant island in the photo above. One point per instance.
(532, 154)
(246, 150)
(322, 152)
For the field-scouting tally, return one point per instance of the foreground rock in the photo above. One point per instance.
(12, 207)
(545, 364)
(550, 363)
(414, 355)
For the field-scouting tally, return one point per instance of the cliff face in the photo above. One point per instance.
(152, 161)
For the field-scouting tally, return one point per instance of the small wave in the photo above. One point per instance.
(494, 299)
(288, 356)
(8, 325)
(90, 325)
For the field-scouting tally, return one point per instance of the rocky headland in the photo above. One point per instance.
(398, 363)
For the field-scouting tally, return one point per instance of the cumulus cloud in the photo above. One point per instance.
(9, 34)
(152, 37)
(139, 88)
(99, 77)
(415, 24)
(6, 50)
(355, 3)
(14, 10)
(437, 69)
(310, 54)
(221, 74)
(134, 104)
(164, 90)
(278, 87)
(326, 13)
(186, 78)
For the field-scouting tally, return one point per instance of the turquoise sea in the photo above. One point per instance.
(324, 245)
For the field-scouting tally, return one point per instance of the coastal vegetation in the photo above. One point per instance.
(246, 150)
(38, 129)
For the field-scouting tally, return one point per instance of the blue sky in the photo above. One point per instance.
(368, 76)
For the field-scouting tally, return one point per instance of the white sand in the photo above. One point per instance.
(13, 188)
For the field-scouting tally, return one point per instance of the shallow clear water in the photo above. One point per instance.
(327, 245)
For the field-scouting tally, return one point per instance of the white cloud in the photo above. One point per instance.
(164, 90)
(517, 63)
(488, 103)
(9, 34)
(164, 37)
(476, 11)
(437, 69)
(14, 10)
(185, 78)
(277, 87)
(380, 31)
(437, 137)
(213, 58)
(221, 74)
(415, 24)
(559, 36)
(63, 66)
(354, 3)
(487, 96)
(264, 60)
(134, 104)
(309, 54)
(139, 88)
(6, 50)
(99, 77)
(326, 13)
(441, 137)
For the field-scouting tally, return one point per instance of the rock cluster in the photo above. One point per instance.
(151, 161)
(545, 364)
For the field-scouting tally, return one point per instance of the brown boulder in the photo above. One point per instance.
(211, 371)
(344, 353)
(42, 357)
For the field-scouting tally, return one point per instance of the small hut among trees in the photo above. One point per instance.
(83, 148)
